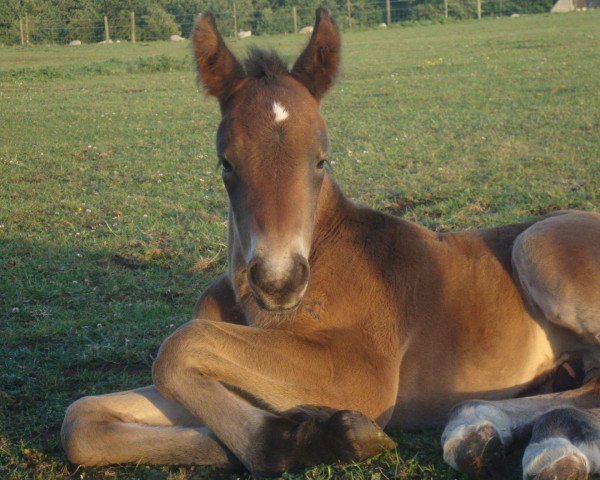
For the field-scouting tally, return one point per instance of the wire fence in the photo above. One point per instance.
(159, 24)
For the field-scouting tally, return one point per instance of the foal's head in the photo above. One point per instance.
(272, 146)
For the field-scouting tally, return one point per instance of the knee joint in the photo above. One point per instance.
(80, 432)
(179, 354)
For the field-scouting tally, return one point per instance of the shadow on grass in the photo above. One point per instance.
(74, 321)
(81, 321)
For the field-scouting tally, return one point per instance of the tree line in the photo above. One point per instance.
(60, 21)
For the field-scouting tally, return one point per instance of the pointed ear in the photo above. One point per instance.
(318, 65)
(218, 70)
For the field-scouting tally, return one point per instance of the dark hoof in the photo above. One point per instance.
(354, 436)
(481, 454)
(346, 436)
(571, 467)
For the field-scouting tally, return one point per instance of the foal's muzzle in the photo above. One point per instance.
(276, 288)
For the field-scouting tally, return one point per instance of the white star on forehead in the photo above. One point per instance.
(280, 112)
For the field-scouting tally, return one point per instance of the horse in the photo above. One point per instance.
(333, 320)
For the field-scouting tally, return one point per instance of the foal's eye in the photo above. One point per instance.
(225, 165)
(321, 164)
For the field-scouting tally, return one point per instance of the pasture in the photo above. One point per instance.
(113, 216)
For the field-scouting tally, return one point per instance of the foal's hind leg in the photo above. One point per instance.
(557, 264)
(138, 426)
(478, 431)
(565, 444)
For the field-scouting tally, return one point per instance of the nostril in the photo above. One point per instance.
(254, 272)
(302, 270)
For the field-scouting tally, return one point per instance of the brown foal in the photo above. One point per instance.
(334, 320)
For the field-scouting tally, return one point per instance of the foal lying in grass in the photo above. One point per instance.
(334, 321)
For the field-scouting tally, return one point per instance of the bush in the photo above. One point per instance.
(426, 11)
(158, 25)
(462, 9)
(85, 25)
(9, 33)
(365, 14)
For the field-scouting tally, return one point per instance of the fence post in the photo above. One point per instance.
(446, 8)
(235, 30)
(21, 30)
(132, 27)
(295, 19)
(349, 9)
(478, 9)
(26, 29)
(388, 8)
(106, 32)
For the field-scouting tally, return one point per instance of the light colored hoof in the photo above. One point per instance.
(476, 451)
(571, 467)
(554, 459)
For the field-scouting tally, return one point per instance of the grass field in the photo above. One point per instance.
(112, 214)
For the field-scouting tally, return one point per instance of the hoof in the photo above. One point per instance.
(480, 453)
(288, 445)
(572, 467)
(354, 436)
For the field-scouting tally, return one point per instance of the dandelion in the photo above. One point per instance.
(16, 310)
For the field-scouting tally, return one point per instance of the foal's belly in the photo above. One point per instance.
(433, 379)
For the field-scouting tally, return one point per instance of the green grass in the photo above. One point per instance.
(112, 214)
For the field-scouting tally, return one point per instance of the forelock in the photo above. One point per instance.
(264, 64)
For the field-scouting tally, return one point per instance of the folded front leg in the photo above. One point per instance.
(238, 380)
(139, 426)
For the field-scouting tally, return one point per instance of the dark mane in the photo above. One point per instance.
(264, 64)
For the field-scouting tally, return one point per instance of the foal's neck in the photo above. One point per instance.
(332, 210)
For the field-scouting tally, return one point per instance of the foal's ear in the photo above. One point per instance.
(318, 65)
(218, 70)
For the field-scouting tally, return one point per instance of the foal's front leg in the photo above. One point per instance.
(138, 426)
(141, 425)
(281, 371)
